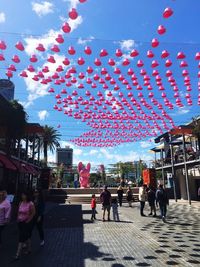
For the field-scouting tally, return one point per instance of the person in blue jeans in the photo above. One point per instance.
(163, 200)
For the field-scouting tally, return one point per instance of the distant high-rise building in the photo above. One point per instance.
(7, 89)
(65, 156)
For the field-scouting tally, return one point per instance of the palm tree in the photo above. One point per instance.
(49, 141)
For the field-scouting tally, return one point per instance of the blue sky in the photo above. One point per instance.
(102, 24)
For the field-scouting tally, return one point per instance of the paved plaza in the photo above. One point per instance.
(72, 240)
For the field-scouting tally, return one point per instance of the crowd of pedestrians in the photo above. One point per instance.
(29, 214)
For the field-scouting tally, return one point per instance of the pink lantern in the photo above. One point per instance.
(168, 73)
(161, 29)
(51, 90)
(168, 12)
(19, 46)
(66, 62)
(180, 55)
(154, 43)
(3, 46)
(140, 63)
(155, 73)
(183, 64)
(150, 54)
(55, 49)
(16, 59)
(40, 48)
(59, 39)
(23, 74)
(12, 67)
(111, 62)
(73, 14)
(96, 77)
(118, 53)
(197, 56)
(33, 59)
(168, 63)
(2, 57)
(71, 50)
(164, 54)
(126, 62)
(103, 53)
(66, 28)
(88, 50)
(51, 59)
(154, 64)
(81, 61)
(97, 62)
(117, 71)
(134, 53)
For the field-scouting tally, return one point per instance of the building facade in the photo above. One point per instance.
(64, 156)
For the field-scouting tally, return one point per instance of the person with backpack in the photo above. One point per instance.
(162, 200)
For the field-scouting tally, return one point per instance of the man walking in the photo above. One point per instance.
(105, 198)
(142, 198)
(162, 200)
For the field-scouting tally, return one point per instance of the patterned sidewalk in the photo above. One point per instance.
(72, 240)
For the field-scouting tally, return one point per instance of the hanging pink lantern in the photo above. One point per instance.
(168, 12)
(164, 54)
(140, 63)
(12, 67)
(161, 29)
(73, 14)
(183, 64)
(134, 53)
(185, 73)
(197, 56)
(168, 63)
(88, 80)
(180, 55)
(71, 50)
(33, 59)
(130, 71)
(66, 62)
(31, 68)
(82, 1)
(104, 71)
(94, 85)
(96, 77)
(154, 43)
(59, 39)
(142, 72)
(40, 48)
(16, 59)
(2, 57)
(81, 61)
(151, 95)
(126, 62)
(51, 59)
(107, 77)
(9, 74)
(150, 54)
(118, 53)
(23, 74)
(155, 73)
(66, 28)
(168, 73)
(97, 62)
(117, 71)
(73, 80)
(3, 46)
(40, 74)
(103, 53)
(19, 46)
(154, 64)
(105, 86)
(116, 87)
(80, 86)
(111, 62)
(55, 49)
(88, 50)
(51, 90)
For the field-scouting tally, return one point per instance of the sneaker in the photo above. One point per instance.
(42, 243)
(150, 214)
(103, 220)
(154, 215)
(163, 219)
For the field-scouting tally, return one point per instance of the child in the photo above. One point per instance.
(93, 206)
(115, 209)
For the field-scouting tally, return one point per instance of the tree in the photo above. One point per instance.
(50, 141)
(196, 129)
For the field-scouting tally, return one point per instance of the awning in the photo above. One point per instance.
(20, 166)
(7, 163)
(31, 169)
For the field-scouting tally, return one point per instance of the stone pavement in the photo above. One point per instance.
(72, 240)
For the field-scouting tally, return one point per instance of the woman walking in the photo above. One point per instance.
(5, 210)
(38, 218)
(25, 216)
(120, 193)
(129, 196)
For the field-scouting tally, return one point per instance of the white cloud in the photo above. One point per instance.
(85, 41)
(2, 17)
(93, 152)
(183, 111)
(72, 3)
(127, 45)
(77, 151)
(145, 144)
(43, 8)
(75, 23)
(43, 114)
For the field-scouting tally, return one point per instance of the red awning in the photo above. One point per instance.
(31, 169)
(7, 163)
(20, 166)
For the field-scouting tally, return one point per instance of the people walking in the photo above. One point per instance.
(114, 206)
(129, 196)
(25, 216)
(151, 195)
(120, 193)
(162, 200)
(142, 198)
(105, 198)
(5, 211)
(93, 207)
(38, 218)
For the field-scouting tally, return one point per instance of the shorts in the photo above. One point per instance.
(106, 207)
